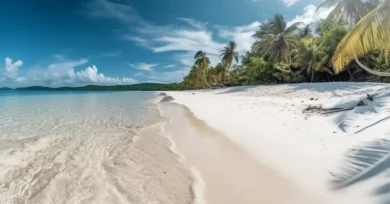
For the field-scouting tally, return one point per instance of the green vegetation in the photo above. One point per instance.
(320, 52)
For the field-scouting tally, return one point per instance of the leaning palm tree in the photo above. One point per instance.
(277, 38)
(202, 63)
(192, 80)
(349, 10)
(311, 57)
(371, 33)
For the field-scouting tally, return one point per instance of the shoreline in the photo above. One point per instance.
(197, 186)
(229, 174)
(311, 150)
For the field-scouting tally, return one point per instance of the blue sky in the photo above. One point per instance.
(79, 42)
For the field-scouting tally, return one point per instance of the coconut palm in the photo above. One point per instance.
(202, 63)
(277, 38)
(229, 54)
(349, 10)
(192, 80)
(371, 33)
(212, 76)
(310, 57)
(221, 72)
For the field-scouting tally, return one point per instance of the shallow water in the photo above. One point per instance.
(66, 147)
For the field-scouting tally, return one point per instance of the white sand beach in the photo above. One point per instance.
(340, 157)
(225, 173)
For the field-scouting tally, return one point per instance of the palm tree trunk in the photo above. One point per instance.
(201, 79)
(384, 74)
(312, 75)
(219, 79)
(205, 80)
(350, 74)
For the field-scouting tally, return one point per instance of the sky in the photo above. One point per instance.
(111, 42)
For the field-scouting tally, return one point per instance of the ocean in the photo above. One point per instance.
(87, 147)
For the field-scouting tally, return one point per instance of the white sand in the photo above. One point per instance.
(311, 150)
(228, 174)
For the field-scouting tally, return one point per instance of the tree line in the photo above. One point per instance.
(352, 44)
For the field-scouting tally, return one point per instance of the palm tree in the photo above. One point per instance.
(311, 57)
(277, 38)
(370, 34)
(220, 71)
(228, 54)
(202, 63)
(349, 10)
(192, 80)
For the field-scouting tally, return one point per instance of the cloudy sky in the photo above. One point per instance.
(79, 42)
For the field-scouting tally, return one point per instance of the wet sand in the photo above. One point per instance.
(230, 175)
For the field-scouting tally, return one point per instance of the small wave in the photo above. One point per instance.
(198, 185)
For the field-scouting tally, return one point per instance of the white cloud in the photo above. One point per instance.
(59, 57)
(144, 66)
(129, 64)
(164, 77)
(311, 14)
(242, 35)
(61, 73)
(170, 66)
(186, 41)
(290, 2)
(11, 70)
(107, 9)
(91, 75)
(194, 23)
(181, 40)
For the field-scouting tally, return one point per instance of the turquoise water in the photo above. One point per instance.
(30, 114)
(80, 147)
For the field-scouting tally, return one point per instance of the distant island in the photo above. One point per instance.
(133, 87)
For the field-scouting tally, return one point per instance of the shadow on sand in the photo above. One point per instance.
(364, 162)
(332, 88)
(345, 111)
(236, 89)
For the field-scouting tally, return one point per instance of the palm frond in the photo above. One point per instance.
(293, 28)
(336, 13)
(328, 3)
(371, 33)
